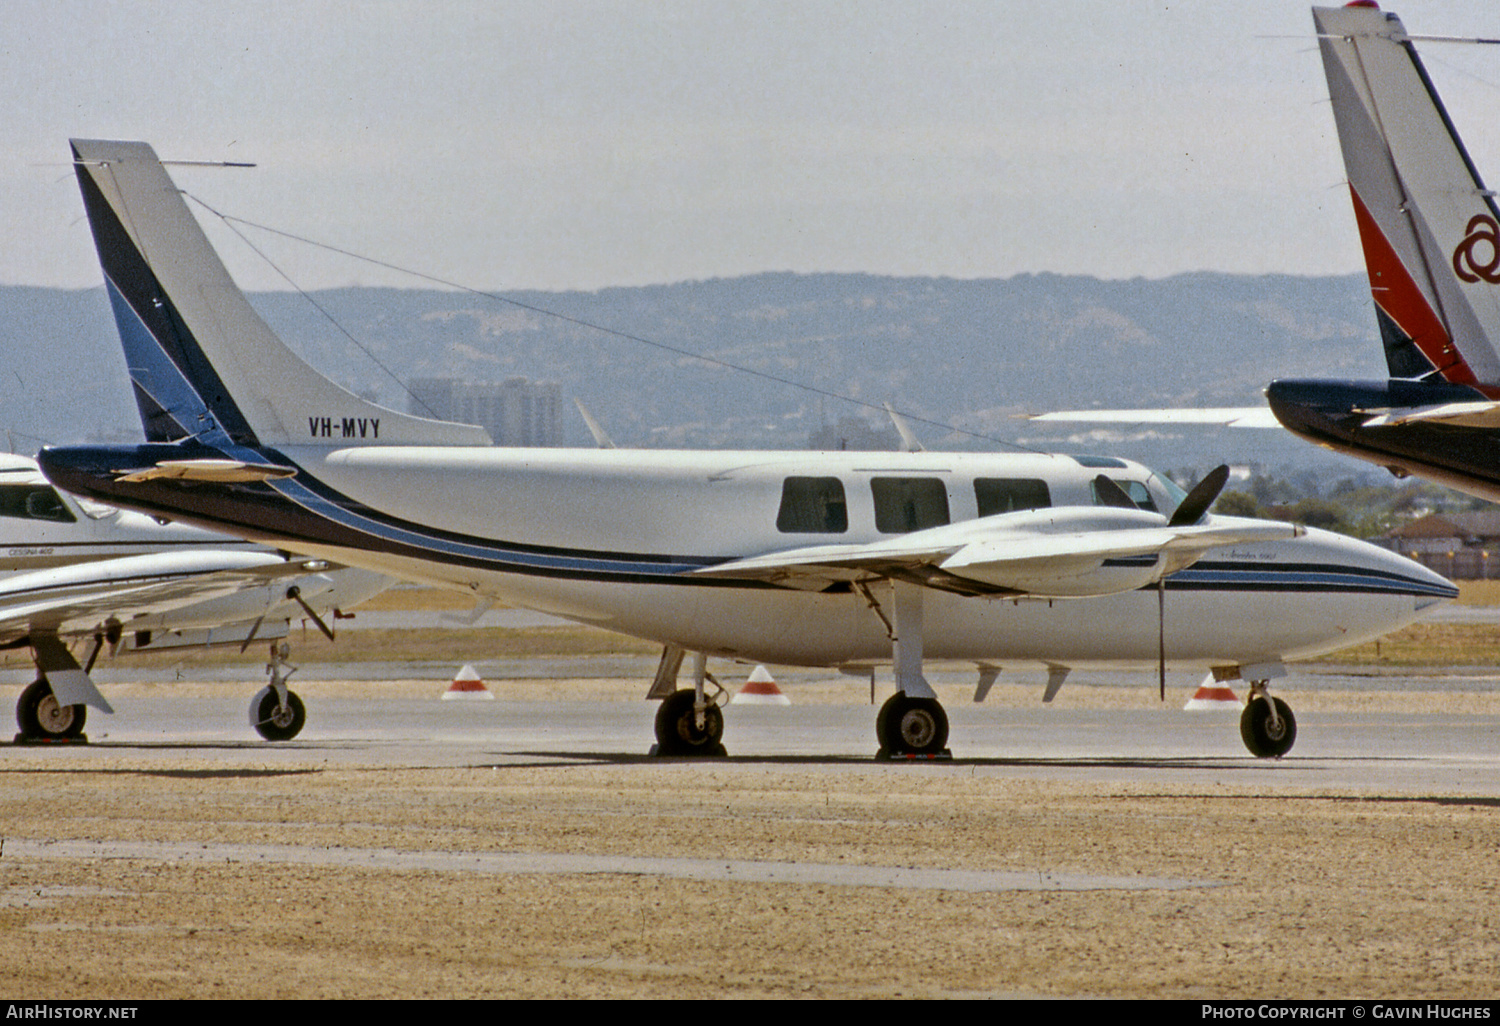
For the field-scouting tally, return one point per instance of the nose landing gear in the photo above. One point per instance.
(1267, 725)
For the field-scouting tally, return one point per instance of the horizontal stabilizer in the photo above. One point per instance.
(223, 471)
(1478, 414)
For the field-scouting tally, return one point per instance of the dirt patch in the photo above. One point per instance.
(1311, 895)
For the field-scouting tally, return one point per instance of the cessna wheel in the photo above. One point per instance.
(40, 715)
(911, 726)
(273, 722)
(677, 730)
(1267, 737)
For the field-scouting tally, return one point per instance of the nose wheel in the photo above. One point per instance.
(276, 713)
(275, 720)
(1267, 725)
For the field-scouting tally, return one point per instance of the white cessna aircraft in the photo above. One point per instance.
(72, 570)
(820, 559)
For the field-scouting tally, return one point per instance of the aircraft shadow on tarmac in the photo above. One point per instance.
(228, 773)
(1185, 762)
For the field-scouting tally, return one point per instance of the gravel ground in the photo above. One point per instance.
(305, 877)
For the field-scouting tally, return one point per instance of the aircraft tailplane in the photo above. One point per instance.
(201, 360)
(1429, 228)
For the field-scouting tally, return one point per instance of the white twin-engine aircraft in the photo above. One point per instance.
(72, 570)
(817, 559)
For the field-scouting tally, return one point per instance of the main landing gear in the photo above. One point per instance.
(276, 713)
(41, 717)
(911, 728)
(683, 729)
(689, 721)
(911, 724)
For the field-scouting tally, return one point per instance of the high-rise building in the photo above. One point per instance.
(515, 412)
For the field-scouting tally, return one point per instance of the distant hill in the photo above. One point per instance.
(971, 353)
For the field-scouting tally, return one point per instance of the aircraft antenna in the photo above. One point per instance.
(201, 163)
(497, 297)
(229, 223)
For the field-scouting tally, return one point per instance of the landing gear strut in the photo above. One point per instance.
(1267, 725)
(41, 717)
(911, 723)
(276, 713)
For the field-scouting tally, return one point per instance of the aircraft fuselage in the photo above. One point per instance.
(1335, 415)
(613, 538)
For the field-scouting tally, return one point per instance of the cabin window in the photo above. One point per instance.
(1006, 495)
(904, 504)
(812, 505)
(33, 502)
(1137, 491)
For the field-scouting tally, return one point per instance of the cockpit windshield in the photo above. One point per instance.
(1167, 493)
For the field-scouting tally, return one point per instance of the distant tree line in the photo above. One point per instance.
(1361, 505)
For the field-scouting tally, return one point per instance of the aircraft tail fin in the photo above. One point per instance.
(1429, 228)
(201, 360)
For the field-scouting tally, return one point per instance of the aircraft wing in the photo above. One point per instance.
(1058, 553)
(1223, 416)
(88, 597)
(1477, 414)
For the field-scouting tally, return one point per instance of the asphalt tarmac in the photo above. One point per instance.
(1408, 733)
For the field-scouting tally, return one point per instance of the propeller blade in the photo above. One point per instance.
(1200, 498)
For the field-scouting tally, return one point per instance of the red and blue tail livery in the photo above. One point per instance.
(1430, 231)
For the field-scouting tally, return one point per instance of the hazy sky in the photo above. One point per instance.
(593, 143)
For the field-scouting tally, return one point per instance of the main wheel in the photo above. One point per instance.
(40, 715)
(273, 722)
(677, 730)
(911, 726)
(1268, 738)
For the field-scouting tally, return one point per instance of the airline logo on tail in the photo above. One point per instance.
(1430, 228)
(1482, 231)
